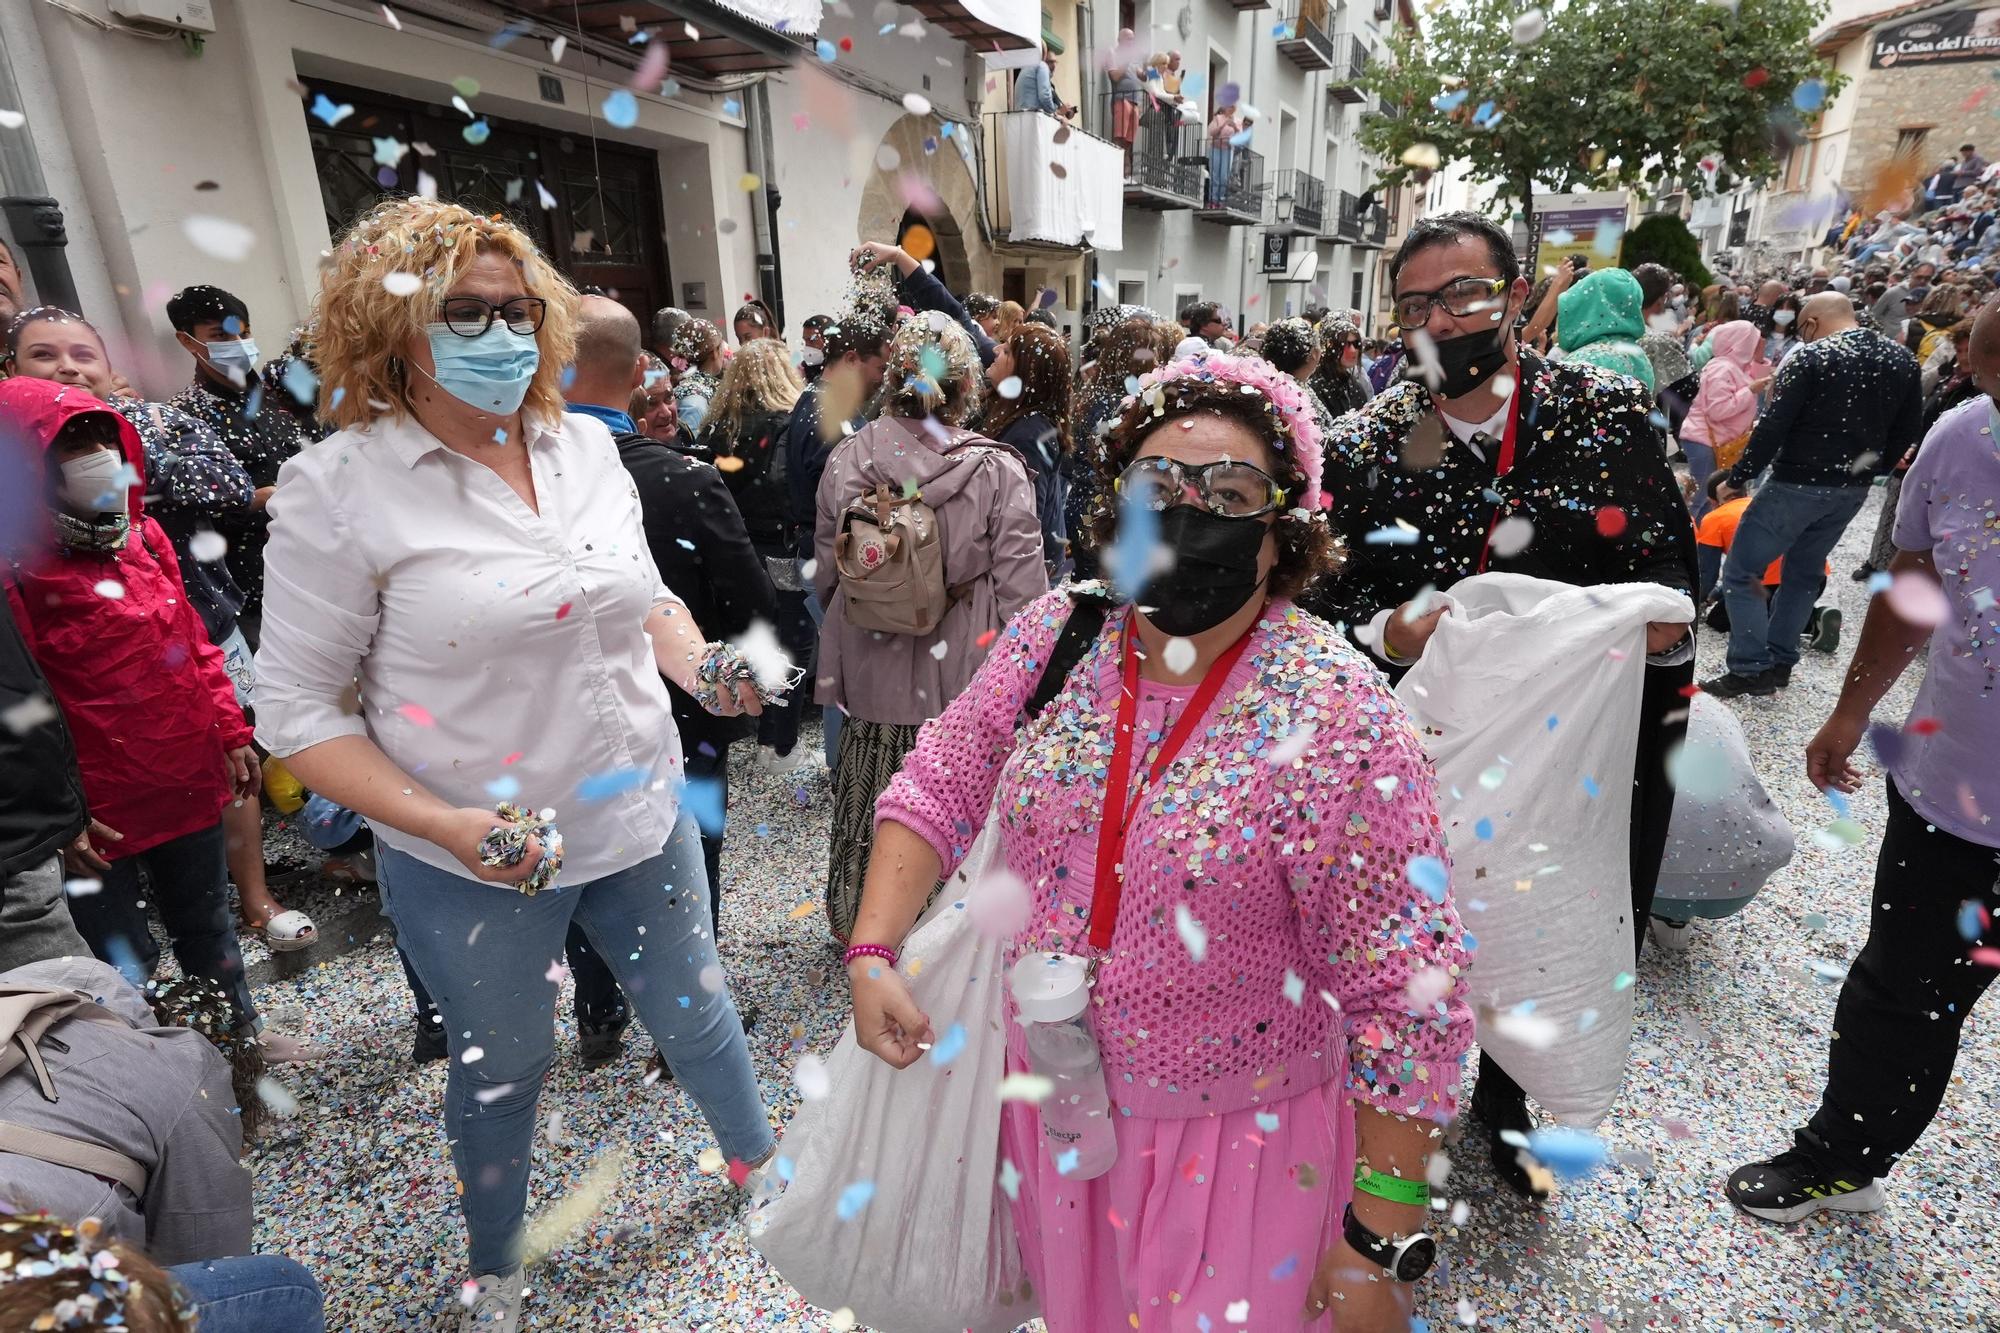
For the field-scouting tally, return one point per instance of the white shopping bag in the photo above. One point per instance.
(1527, 698)
(1728, 836)
(893, 1209)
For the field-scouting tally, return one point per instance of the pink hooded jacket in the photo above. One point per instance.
(992, 540)
(1726, 407)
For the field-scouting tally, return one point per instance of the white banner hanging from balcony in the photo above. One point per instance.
(1068, 193)
(1023, 18)
(800, 18)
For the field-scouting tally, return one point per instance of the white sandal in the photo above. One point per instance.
(288, 931)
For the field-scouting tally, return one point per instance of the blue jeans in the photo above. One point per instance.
(252, 1293)
(1219, 162)
(483, 951)
(1802, 524)
(1701, 462)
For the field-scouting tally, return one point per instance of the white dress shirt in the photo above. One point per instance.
(501, 652)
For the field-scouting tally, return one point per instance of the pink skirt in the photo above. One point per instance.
(1124, 121)
(1195, 1217)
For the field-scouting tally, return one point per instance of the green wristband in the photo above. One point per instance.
(1393, 1188)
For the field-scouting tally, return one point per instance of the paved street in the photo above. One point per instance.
(1727, 1055)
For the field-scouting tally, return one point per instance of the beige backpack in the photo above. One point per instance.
(26, 1015)
(890, 559)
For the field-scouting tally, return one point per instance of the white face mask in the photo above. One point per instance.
(1782, 318)
(233, 356)
(90, 482)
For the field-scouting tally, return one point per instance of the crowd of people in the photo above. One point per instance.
(498, 574)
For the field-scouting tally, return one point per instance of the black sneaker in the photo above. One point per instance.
(1793, 1185)
(1863, 573)
(1500, 1115)
(599, 1045)
(1732, 686)
(429, 1044)
(1781, 675)
(1826, 632)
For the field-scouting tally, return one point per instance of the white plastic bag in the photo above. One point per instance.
(1728, 836)
(932, 1249)
(1527, 698)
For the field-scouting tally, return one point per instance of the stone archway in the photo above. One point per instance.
(887, 209)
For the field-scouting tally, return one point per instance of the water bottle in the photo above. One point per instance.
(1052, 991)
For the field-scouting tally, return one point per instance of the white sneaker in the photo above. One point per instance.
(1673, 936)
(770, 761)
(492, 1304)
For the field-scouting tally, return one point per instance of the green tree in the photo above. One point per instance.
(1599, 94)
(1663, 238)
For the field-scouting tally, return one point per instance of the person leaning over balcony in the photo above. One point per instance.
(1035, 89)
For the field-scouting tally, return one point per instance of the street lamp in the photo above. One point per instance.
(1283, 204)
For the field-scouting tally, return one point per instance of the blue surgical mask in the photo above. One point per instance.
(490, 372)
(237, 354)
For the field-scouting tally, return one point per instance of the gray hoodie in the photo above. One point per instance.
(992, 540)
(159, 1095)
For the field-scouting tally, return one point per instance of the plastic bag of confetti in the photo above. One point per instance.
(892, 1208)
(1728, 836)
(1527, 698)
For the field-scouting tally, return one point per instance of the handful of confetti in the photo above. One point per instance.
(506, 845)
(725, 664)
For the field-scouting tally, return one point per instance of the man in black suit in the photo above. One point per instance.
(693, 527)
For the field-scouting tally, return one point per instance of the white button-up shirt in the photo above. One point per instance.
(501, 653)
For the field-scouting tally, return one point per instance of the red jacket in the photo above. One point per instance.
(142, 688)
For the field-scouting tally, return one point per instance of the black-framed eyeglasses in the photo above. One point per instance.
(469, 316)
(1234, 490)
(1461, 297)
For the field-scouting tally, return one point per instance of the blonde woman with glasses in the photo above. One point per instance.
(474, 558)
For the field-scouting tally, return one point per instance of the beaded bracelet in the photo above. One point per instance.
(882, 951)
(1393, 1188)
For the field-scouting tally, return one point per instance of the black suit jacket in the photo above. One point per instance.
(703, 552)
(1586, 444)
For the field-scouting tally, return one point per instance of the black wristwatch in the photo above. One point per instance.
(1405, 1260)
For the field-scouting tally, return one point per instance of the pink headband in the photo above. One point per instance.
(1294, 429)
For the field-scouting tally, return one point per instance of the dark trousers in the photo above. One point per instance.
(778, 725)
(1662, 725)
(1906, 997)
(188, 880)
(701, 765)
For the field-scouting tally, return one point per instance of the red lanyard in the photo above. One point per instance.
(1110, 879)
(1506, 466)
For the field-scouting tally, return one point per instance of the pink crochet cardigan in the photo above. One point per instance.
(1286, 829)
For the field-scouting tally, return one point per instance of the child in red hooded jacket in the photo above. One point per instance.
(159, 738)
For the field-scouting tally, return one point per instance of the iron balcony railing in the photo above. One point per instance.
(1163, 162)
(1305, 36)
(1234, 190)
(1298, 201)
(1350, 62)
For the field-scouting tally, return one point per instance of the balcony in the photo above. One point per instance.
(1249, 4)
(1163, 169)
(1349, 62)
(1306, 42)
(1049, 185)
(1347, 225)
(988, 25)
(1234, 192)
(1298, 203)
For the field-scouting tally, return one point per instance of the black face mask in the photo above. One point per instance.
(1467, 361)
(1214, 572)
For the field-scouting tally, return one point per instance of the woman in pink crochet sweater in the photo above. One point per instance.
(1283, 979)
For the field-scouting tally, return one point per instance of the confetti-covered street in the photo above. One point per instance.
(1728, 1054)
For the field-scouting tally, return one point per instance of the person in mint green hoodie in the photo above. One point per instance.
(1600, 319)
